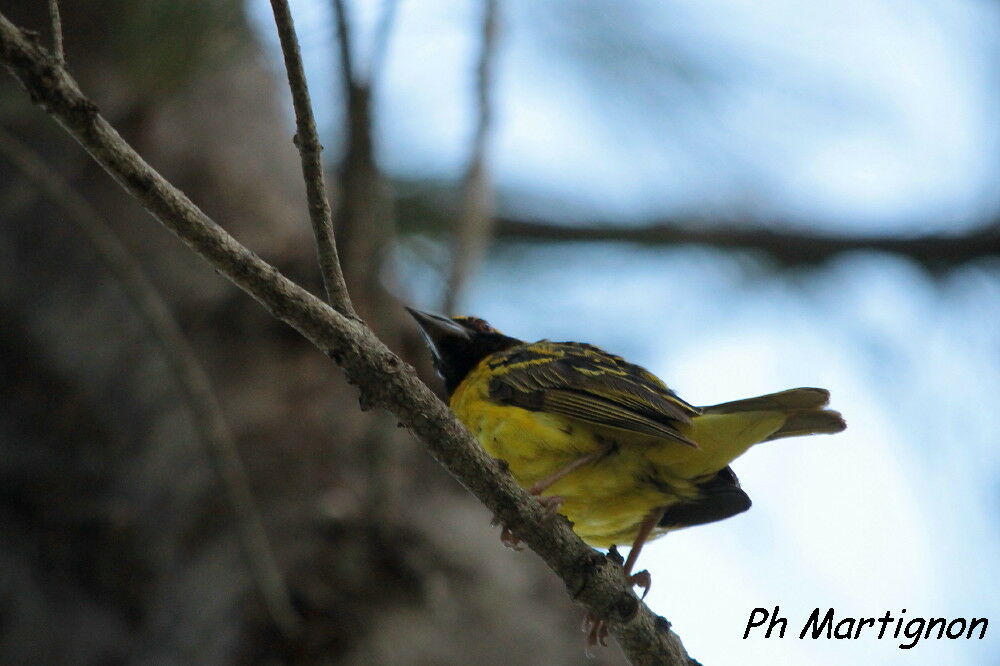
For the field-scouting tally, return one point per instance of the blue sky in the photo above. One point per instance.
(860, 115)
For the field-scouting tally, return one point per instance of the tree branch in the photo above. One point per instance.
(384, 380)
(307, 141)
(191, 378)
(473, 225)
(786, 246)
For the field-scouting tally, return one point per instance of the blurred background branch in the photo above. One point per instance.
(363, 218)
(425, 209)
(472, 227)
(784, 247)
(381, 40)
(187, 371)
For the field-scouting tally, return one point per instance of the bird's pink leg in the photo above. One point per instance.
(551, 503)
(596, 629)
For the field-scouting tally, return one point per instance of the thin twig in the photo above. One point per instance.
(191, 378)
(307, 141)
(593, 580)
(57, 33)
(473, 225)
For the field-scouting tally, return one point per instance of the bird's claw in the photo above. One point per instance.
(550, 503)
(641, 579)
(596, 629)
(508, 539)
(597, 633)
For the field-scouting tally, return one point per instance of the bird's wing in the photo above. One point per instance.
(585, 383)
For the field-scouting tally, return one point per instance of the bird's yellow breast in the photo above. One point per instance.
(606, 500)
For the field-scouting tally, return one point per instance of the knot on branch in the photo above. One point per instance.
(32, 36)
(594, 572)
(366, 401)
(626, 607)
(589, 570)
(141, 181)
(394, 365)
(87, 108)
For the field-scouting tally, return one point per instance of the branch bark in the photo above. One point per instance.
(307, 141)
(383, 379)
(191, 378)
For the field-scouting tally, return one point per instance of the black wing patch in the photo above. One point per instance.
(721, 498)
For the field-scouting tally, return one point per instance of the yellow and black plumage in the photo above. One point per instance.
(605, 436)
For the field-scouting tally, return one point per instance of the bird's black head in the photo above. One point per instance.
(459, 344)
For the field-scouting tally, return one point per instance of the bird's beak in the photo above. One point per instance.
(437, 329)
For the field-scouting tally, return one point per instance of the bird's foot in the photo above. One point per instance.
(596, 629)
(597, 633)
(508, 539)
(550, 503)
(641, 579)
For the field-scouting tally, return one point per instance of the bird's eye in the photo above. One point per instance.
(476, 324)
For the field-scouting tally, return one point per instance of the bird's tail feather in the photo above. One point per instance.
(803, 407)
(792, 399)
(812, 422)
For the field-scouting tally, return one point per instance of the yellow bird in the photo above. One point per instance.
(603, 441)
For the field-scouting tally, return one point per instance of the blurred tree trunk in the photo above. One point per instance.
(118, 545)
